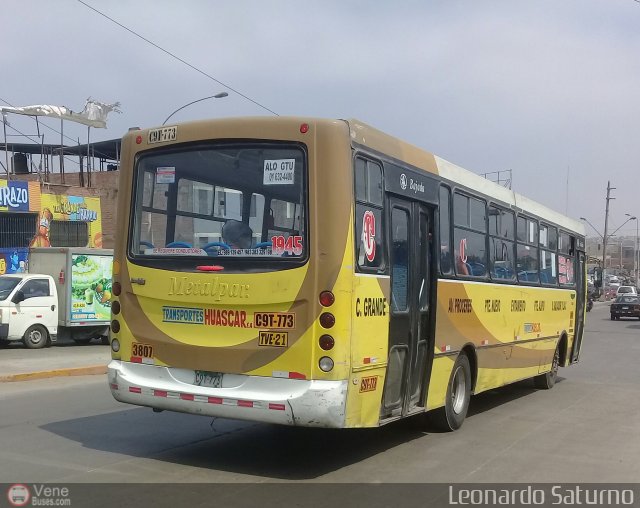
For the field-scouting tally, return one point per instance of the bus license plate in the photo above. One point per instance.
(278, 339)
(141, 350)
(281, 320)
(209, 379)
(163, 134)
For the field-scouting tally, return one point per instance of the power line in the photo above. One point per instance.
(172, 55)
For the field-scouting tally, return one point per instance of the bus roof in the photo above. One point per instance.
(378, 140)
(368, 136)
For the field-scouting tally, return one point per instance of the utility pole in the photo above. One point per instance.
(606, 223)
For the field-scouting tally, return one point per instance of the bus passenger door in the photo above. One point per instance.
(410, 337)
(581, 291)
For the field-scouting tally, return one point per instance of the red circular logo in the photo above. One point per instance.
(368, 235)
(18, 495)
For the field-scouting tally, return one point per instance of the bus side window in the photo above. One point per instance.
(446, 265)
(501, 238)
(399, 259)
(368, 220)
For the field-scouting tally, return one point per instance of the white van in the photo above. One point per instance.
(28, 309)
(626, 290)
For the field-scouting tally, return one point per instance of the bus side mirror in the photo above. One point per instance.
(18, 297)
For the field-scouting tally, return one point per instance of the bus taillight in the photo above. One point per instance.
(116, 288)
(327, 320)
(325, 364)
(327, 342)
(327, 298)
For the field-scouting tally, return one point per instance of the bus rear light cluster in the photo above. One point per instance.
(327, 342)
(326, 298)
(115, 326)
(115, 345)
(325, 364)
(116, 288)
(115, 307)
(327, 320)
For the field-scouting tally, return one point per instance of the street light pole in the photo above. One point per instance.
(605, 236)
(606, 224)
(592, 226)
(216, 96)
(636, 252)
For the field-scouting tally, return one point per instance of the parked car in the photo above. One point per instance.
(625, 306)
(610, 293)
(626, 290)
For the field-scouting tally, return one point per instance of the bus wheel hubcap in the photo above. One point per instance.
(458, 390)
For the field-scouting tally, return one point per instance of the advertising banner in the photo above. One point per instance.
(68, 208)
(90, 287)
(17, 196)
(13, 260)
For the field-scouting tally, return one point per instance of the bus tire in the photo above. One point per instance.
(452, 415)
(548, 380)
(35, 337)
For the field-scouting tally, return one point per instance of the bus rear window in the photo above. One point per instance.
(226, 201)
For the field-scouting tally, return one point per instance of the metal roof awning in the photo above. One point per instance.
(107, 150)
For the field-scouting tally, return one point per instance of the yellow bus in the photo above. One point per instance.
(322, 273)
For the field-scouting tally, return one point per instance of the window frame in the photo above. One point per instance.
(467, 227)
(512, 241)
(571, 254)
(238, 264)
(451, 273)
(534, 244)
(35, 280)
(542, 249)
(382, 267)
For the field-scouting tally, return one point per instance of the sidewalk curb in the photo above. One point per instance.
(75, 371)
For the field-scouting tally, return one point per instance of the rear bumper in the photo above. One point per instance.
(4, 331)
(265, 399)
(625, 313)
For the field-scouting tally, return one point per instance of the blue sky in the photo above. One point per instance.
(548, 89)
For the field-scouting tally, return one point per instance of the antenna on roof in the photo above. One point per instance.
(500, 177)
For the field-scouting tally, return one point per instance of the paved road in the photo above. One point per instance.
(17, 362)
(584, 430)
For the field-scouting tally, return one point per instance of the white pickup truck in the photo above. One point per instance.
(28, 309)
(67, 294)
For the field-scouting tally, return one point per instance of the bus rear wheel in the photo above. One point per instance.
(452, 415)
(548, 380)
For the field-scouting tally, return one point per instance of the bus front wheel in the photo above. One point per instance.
(452, 415)
(548, 380)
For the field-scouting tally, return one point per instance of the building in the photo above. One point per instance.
(39, 207)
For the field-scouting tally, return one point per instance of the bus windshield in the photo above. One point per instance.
(231, 201)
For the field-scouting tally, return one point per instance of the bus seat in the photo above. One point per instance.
(499, 272)
(477, 269)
